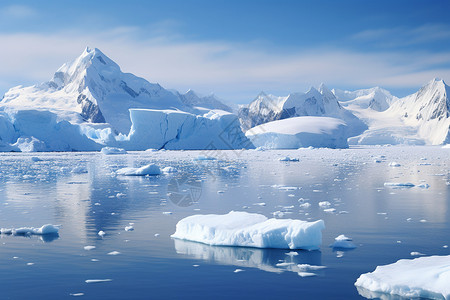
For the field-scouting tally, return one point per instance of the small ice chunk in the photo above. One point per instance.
(306, 274)
(113, 150)
(79, 170)
(305, 205)
(394, 164)
(424, 186)
(285, 264)
(238, 270)
(343, 242)
(129, 228)
(45, 229)
(114, 253)
(150, 169)
(415, 253)
(287, 158)
(292, 253)
(307, 267)
(399, 184)
(76, 294)
(203, 157)
(101, 233)
(167, 213)
(89, 247)
(324, 204)
(97, 280)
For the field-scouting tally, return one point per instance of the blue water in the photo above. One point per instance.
(386, 224)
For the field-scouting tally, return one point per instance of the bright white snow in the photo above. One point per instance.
(150, 169)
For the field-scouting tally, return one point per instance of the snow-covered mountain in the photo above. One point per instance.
(375, 98)
(428, 110)
(319, 103)
(420, 118)
(94, 86)
(190, 98)
(92, 98)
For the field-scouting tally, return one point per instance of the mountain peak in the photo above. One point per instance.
(325, 91)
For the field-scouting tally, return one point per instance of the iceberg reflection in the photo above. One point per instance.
(269, 260)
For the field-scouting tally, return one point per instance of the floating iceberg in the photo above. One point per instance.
(300, 132)
(250, 230)
(425, 277)
(150, 169)
(45, 229)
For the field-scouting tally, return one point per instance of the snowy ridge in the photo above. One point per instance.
(319, 103)
(375, 98)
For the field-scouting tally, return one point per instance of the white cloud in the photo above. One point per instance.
(18, 11)
(233, 71)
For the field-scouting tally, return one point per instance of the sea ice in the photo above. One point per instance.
(250, 230)
(150, 169)
(424, 277)
(97, 280)
(399, 184)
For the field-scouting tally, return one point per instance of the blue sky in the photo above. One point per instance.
(234, 48)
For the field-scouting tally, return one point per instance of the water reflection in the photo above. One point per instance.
(269, 260)
(46, 238)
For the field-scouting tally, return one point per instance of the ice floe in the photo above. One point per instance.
(426, 277)
(343, 242)
(150, 169)
(250, 230)
(45, 229)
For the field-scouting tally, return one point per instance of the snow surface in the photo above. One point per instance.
(300, 132)
(250, 230)
(426, 277)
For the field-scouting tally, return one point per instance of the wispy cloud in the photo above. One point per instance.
(404, 36)
(234, 71)
(18, 11)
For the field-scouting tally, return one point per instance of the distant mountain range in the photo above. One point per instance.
(90, 103)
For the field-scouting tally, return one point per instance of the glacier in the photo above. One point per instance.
(300, 132)
(423, 277)
(250, 230)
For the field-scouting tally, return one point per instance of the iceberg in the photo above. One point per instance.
(424, 277)
(300, 132)
(250, 230)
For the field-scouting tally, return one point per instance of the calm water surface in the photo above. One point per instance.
(386, 224)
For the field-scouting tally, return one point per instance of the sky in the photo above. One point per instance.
(234, 49)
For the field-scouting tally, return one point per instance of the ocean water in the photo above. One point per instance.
(82, 193)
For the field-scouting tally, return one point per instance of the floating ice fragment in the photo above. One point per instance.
(169, 170)
(112, 150)
(45, 229)
(76, 294)
(114, 253)
(292, 253)
(89, 247)
(167, 213)
(306, 274)
(287, 158)
(285, 264)
(238, 270)
(101, 233)
(150, 169)
(399, 184)
(324, 204)
(394, 164)
(97, 280)
(79, 170)
(330, 210)
(250, 230)
(415, 253)
(424, 186)
(307, 267)
(343, 242)
(129, 228)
